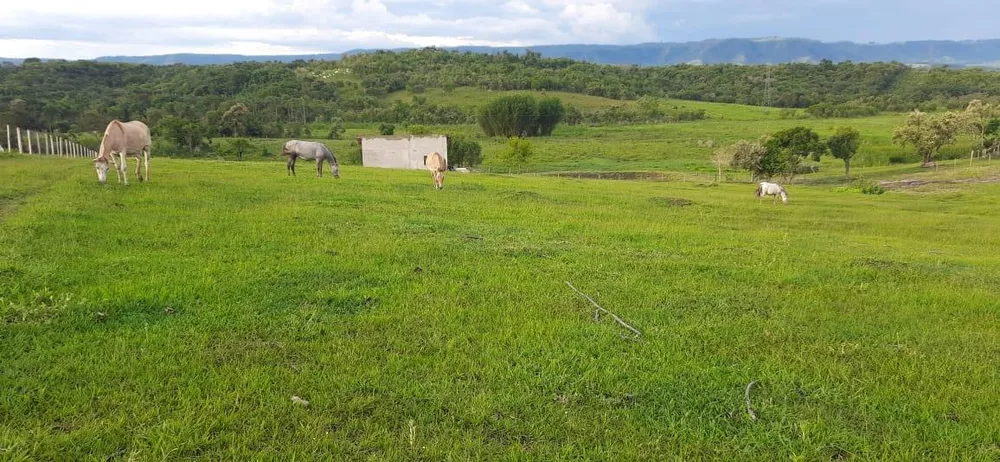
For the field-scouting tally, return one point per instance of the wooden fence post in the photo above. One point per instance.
(48, 142)
(29, 142)
(59, 147)
(9, 148)
(19, 148)
(38, 143)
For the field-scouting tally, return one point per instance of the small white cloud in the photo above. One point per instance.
(518, 6)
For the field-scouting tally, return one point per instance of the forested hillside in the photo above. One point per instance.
(83, 96)
(715, 51)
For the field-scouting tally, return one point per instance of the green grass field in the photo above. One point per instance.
(176, 319)
(680, 146)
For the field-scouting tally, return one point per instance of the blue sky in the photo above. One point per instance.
(86, 28)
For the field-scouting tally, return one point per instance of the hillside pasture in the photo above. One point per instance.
(176, 319)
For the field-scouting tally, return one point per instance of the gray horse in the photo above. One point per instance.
(310, 150)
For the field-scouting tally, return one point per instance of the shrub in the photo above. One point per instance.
(464, 152)
(416, 129)
(387, 129)
(351, 156)
(336, 130)
(550, 112)
(518, 151)
(863, 186)
(513, 115)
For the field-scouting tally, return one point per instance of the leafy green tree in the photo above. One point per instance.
(294, 130)
(800, 142)
(844, 144)
(239, 146)
(976, 121)
(235, 119)
(387, 129)
(927, 133)
(760, 161)
(183, 133)
(993, 137)
(721, 158)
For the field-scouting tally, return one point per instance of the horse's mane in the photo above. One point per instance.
(102, 153)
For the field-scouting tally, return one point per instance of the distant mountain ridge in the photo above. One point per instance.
(981, 53)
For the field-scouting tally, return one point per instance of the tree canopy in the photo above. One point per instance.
(844, 144)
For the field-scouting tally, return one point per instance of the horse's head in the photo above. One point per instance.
(336, 170)
(759, 191)
(101, 165)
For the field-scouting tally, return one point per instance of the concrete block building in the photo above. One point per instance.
(407, 151)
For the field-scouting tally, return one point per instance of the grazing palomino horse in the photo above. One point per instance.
(771, 189)
(310, 150)
(123, 138)
(437, 165)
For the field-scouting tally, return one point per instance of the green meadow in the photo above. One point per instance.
(677, 147)
(176, 319)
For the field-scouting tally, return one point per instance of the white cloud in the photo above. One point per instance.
(603, 22)
(86, 28)
(520, 7)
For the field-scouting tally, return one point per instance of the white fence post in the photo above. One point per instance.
(38, 143)
(29, 142)
(48, 142)
(8, 138)
(19, 148)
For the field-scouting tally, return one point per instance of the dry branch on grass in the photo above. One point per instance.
(600, 309)
(750, 410)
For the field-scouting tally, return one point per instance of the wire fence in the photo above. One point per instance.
(25, 141)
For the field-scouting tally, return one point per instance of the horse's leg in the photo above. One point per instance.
(319, 167)
(124, 168)
(138, 168)
(115, 162)
(145, 154)
(291, 165)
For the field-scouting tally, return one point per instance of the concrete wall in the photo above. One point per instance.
(401, 151)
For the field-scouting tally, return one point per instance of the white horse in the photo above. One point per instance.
(123, 138)
(437, 165)
(771, 189)
(310, 150)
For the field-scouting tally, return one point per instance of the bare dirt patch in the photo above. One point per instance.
(632, 176)
(911, 183)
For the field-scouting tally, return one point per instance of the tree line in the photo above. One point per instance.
(282, 99)
(782, 153)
